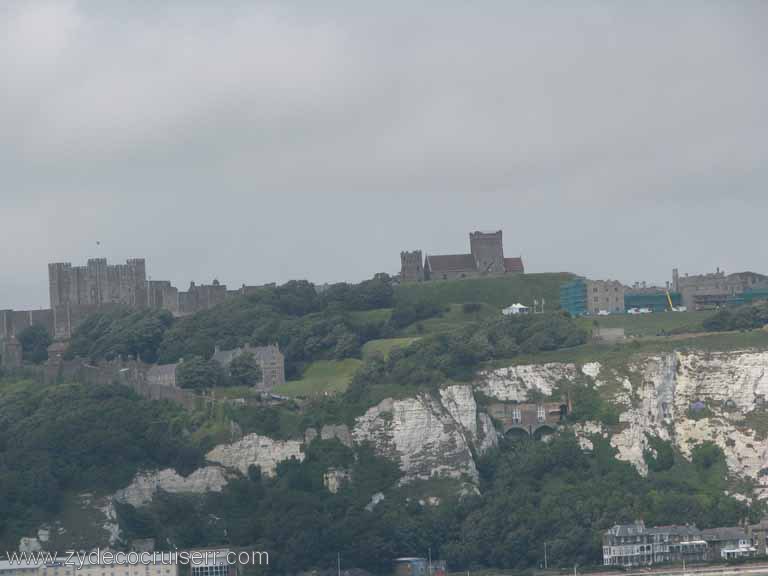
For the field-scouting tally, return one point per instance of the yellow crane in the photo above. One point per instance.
(669, 299)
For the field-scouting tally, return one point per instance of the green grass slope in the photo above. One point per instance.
(385, 345)
(499, 291)
(650, 324)
(332, 376)
(454, 317)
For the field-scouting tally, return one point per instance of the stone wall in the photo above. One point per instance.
(161, 295)
(134, 374)
(13, 322)
(201, 297)
(10, 353)
(711, 290)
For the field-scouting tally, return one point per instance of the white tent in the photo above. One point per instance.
(515, 309)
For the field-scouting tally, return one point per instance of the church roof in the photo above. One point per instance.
(513, 265)
(451, 262)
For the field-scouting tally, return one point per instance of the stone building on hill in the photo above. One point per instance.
(583, 296)
(486, 258)
(162, 375)
(713, 290)
(77, 291)
(270, 360)
(605, 296)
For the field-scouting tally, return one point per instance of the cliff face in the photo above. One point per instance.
(429, 436)
(256, 450)
(685, 398)
(695, 397)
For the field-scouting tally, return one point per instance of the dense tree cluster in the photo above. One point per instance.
(306, 325)
(739, 318)
(74, 437)
(368, 295)
(244, 370)
(34, 343)
(457, 355)
(199, 373)
(121, 332)
(531, 492)
(407, 312)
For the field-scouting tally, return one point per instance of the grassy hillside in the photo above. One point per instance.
(620, 353)
(650, 324)
(454, 317)
(385, 346)
(330, 376)
(500, 291)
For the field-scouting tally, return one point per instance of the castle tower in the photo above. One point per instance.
(488, 251)
(59, 277)
(411, 266)
(137, 293)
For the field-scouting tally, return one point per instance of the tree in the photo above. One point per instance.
(198, 373)
(34, 343)
(244, 370)
(121, 332)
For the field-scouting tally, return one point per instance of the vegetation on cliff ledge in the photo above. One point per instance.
(75, 437)
(531, 492)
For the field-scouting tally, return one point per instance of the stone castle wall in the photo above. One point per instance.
(131, 373)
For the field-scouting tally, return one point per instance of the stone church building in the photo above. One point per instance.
(486, 258)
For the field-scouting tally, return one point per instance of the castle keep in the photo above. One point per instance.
(486, 257)
(77, 291)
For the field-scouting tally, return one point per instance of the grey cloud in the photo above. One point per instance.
(265, 141)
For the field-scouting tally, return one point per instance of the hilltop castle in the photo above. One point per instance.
(486, 257)
(77, 291)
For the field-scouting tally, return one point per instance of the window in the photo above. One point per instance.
(541, 414)
(516, 415)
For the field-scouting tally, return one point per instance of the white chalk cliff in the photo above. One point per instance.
(441, 434)
(429, 436)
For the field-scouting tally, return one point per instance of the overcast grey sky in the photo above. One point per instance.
(264, 141)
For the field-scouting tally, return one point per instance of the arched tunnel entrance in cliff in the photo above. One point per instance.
(543, 431)
(517, 433)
